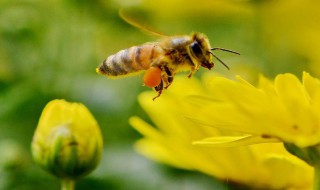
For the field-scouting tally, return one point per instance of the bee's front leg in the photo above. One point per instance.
(193, 69)
(159, 89)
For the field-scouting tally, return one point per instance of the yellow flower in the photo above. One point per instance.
(267, 166)
(67, 141)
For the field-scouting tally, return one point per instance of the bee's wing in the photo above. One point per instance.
(122, 14)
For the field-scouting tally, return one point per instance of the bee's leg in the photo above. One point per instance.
(168, 78)
(159, 89)
(193, 70)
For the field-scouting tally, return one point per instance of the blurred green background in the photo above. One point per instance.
(50, 49)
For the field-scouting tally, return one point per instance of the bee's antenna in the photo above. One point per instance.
(227, 50)
(220, 60)
(222, 49)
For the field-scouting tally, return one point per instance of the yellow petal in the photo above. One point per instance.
(311, 85)
(157, 151)
(291, 91)
(296, 171)
(232, 141)
(144, 128)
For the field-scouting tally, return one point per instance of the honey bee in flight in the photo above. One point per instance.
(162, 59)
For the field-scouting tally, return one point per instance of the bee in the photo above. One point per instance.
(163, 59)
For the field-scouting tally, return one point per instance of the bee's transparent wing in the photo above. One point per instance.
(123, 13)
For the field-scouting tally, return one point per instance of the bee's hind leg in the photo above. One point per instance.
(159, 89)
(168, 78)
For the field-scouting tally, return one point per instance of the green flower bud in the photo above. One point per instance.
(67, 142)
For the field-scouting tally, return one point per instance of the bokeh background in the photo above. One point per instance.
(50, 49)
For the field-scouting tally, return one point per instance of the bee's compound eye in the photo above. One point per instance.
(196, 49)
(152, 77)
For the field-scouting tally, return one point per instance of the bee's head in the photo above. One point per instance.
(201, 51)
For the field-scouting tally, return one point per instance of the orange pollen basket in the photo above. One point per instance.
(152, 77)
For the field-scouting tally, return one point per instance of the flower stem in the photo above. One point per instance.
(67, 184)
(316, 180)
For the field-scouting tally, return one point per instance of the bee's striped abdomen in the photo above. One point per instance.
(127, 61)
